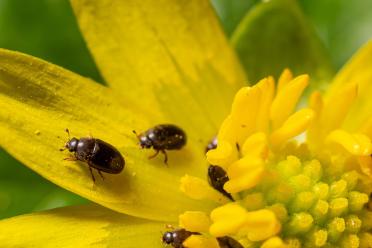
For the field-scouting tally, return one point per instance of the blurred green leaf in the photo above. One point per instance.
(46, 29)
(275, 35)
(343, 25)
(231, 12)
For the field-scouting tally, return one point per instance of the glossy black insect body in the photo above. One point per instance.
(217, 178)
(97, 154)
(211, 145)
(161, 138)
(228, 242)
(177, 237)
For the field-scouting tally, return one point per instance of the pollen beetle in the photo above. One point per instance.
(162, 137)
(217, 178)
(96, 153)
(228, 242)
(177, 237)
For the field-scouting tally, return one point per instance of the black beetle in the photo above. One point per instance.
(217, 178)
(162, 137)
(177, 237)
(96, 153)
(228, 242)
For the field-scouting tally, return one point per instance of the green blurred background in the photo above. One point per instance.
(47, 29)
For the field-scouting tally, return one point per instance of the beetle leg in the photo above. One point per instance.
(165, 156)
(99, 172)
(154, 155)
(70, 159)
(91, 172)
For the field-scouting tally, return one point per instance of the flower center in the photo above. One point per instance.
(279, 191)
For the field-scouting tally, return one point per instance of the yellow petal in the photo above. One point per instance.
(337, 107)
(198, 241)
(246, 164)
(223, 155)
(316, 102)
(244, 174)
(367, 127)
(356, 144)
(261, 224)
(365, 163)
(80, 226)
(274, 242)
(194, 221)
(293, 126)
(267, 88)
(170, 55)
(198, 189)
(315, 130)
(286, 100)
(256, 145)
(242, 120)
(357, 71)
(39, 100)
(284, 78)
(227, 219)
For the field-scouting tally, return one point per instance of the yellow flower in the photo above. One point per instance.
(310, 192)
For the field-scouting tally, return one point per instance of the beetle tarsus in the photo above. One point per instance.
(91, 172)
(165, 157)
(99, 172)
(70, 159)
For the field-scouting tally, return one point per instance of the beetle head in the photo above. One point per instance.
(144, 141)
(71, 145)
(168, 238)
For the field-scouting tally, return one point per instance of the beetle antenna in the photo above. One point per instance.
(68, 133)
(134, 131)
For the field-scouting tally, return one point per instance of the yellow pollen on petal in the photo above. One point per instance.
(286, 100)
(256, 145)
(293, 126)
(199, 241)
(284, 78)
(198, 189)
(274, 242)
(356, 144)
(194, 221)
